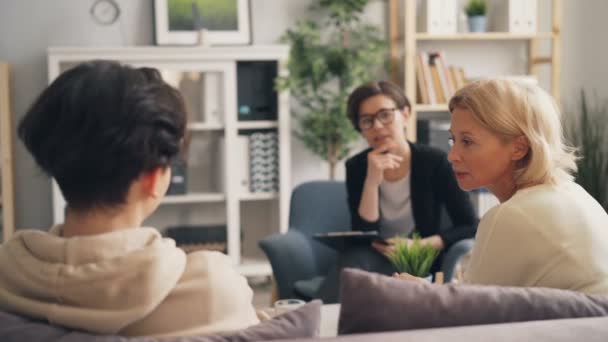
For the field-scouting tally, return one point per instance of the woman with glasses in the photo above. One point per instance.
(396, 187)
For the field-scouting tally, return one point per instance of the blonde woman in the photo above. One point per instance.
(547, 231)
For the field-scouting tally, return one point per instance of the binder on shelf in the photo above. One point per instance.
(438, 17)
(515, 16)
(449, 16)
(211, 98)
(242, 168)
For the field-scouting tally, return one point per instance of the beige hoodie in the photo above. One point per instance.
(131, 282)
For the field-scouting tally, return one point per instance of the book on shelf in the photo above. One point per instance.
(421, 87)
(423, 60)
(436, 80)
(445, 87)
(446, 72)
(436, 85)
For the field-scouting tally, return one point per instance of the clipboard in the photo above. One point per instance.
(340, 240)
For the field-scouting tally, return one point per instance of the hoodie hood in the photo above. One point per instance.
(99, 283)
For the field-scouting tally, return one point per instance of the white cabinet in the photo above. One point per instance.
(219, 126)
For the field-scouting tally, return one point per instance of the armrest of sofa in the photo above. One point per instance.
(453, 255)
(292, 258)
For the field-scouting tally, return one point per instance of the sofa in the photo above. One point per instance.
(379, 308)
(562, 330)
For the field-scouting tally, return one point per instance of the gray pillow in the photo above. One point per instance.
(372, 303)
(302, 322)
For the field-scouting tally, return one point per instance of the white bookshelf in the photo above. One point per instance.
(198, 126)
(254, 267)
(194, 198)
(431, 107)
(406, 41)
(485, 36)
(257, 124)
(259, 196)
(210, 199)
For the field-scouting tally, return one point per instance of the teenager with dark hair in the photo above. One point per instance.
(107, 134)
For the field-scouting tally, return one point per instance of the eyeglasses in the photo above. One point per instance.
(384, 115)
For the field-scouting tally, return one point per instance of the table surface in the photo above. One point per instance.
(329, 320)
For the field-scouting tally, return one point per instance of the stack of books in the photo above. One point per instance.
(199, 237)
(436, 81)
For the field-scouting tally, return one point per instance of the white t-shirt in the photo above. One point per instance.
(546, 236)
(396, 217)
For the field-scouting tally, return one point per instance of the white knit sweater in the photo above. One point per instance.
(547, 236)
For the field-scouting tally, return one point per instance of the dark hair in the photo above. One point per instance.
(99, 125)
(368, 90)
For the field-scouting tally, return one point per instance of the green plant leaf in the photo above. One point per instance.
(415, 259)
(587, 131)
(475, 8)
(325, 67)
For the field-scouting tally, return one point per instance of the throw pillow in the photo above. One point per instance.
(372, 303)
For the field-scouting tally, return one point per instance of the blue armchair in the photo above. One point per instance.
(295, 257)
(299, 262)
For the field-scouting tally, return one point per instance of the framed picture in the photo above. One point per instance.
(179, 22)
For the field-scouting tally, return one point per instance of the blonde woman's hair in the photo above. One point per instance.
(511, 109)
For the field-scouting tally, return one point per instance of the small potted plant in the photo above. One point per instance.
(476, 14)
(413, 257)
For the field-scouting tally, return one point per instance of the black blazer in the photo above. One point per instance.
(433, 186)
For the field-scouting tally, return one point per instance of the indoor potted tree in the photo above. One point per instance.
(328, 58)
(476, 14)
(587, 131)
(413, 257)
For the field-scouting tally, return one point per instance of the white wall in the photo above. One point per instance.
(28, 27)
(585, 52)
